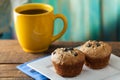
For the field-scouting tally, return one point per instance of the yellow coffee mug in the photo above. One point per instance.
(34, 26)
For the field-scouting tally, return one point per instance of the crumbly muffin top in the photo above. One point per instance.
(96, 49)
(67, 56)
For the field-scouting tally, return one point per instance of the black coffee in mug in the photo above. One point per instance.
(34, 11)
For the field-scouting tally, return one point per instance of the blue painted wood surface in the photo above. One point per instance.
(87, 19)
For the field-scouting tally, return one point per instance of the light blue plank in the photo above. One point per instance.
(77, 20)
(94, 20)
(64, 8)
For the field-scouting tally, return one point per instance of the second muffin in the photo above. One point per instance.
(97, 54)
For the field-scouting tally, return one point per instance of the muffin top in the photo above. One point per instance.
(67, 56)
(96, 49)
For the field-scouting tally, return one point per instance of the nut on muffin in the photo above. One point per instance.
(97, 54)
(68, 62)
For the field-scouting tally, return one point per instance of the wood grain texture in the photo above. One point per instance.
(16, 79)
(11, 52)
(10, 72)
(11, 55)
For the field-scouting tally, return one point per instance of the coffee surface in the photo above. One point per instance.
(34, 11)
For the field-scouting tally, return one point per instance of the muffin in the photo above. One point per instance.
(68, 62)
(97, 54)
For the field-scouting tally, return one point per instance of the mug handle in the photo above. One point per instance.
(64, 28)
